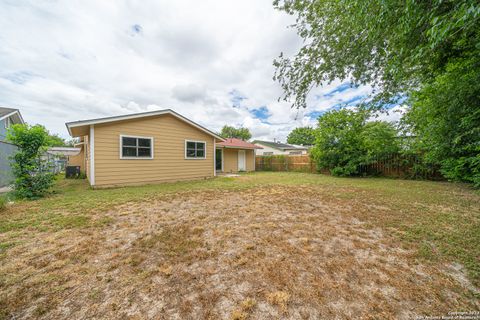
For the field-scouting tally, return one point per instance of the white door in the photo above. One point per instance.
(241, 160)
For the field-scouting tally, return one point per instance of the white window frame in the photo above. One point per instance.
(136, 137)
(195, 158)
(7, 122)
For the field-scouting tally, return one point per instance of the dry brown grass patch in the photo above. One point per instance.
(279, 298)
(272, 252)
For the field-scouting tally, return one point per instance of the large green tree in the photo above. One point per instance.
(426, 51)
(302, 136)
(345, 141)
(445, 121)
(232, 132)
(393, 45)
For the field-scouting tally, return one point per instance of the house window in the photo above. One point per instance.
(295, 152)
(268, 153)
(195, 149)
(7, 123)
(136, 147)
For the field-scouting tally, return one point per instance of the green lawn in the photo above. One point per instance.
(438, 221)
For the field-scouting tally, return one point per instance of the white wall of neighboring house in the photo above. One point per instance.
(267, 150)
(297, 152)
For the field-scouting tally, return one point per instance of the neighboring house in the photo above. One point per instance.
(150, 147)
(58, 157)
(234, 155)
(277, 148)
(8, 117)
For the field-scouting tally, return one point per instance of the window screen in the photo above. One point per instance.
(195, 150)
(136, 147)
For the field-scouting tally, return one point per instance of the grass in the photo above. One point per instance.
(271, 244)
(3, 202)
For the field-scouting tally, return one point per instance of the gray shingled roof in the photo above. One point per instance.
(5, 111)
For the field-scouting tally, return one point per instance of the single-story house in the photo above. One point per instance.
(153, 147)
(8, 116)
(235, 155)
(270, 148)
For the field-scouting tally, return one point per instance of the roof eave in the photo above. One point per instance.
(75, 124)
(15, 112)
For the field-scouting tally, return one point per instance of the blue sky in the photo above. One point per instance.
(211, 61)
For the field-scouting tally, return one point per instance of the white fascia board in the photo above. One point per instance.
(16, 112)
(137, 116)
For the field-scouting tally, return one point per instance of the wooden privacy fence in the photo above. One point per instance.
(299, 163)
(394, 165)
(401, 166)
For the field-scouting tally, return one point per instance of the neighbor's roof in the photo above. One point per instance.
(65, 151)
(89, 122)
(238, 144)
(280, 146)
(8, 112)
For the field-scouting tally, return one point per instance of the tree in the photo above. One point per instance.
(54, 140)
(302, 136)
(445, 119)
(232, 132)
(338, 144)
(393, 45)
(345, 140)
(379, 140)
(425, 51)
(31, 180)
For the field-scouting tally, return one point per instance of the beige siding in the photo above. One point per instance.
(250, 159)
(78, 160)
(230, 160)
(169, 163)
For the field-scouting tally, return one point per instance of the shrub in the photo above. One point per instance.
(32, 180)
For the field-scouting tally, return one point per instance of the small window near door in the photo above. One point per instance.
(136, 147)
(195, 149)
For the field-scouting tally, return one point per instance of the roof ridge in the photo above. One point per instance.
(80, 123)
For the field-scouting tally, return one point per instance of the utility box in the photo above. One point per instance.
(72, 171)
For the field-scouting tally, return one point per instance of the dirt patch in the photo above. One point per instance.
(276, 252)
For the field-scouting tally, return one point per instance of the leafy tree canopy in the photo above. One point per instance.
(232, 132)
(54, 140)
(302, 136)
(393, 45)
(345, 140)
(445, 120)
(379, 139)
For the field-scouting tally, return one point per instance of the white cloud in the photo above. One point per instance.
(392, 115)
(66, 61)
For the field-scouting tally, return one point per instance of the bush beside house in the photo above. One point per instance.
(32, 180)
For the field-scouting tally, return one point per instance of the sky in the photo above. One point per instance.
(210, 61)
